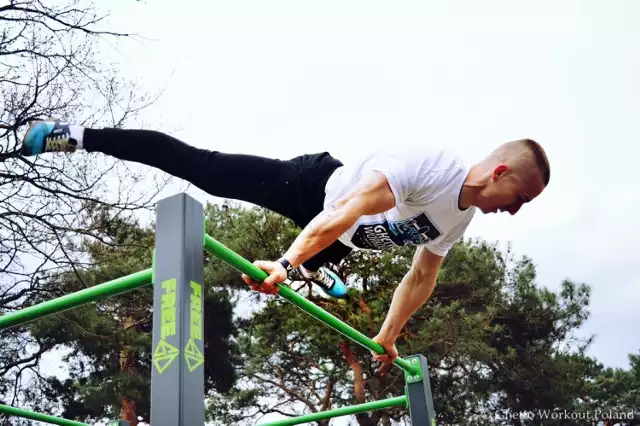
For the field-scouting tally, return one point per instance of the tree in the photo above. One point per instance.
(50, 67)
(614, 393)
(529, 370)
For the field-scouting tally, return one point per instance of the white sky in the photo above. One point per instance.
(281, 78)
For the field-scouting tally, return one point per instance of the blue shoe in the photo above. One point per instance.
(47, 136)
(328, 282)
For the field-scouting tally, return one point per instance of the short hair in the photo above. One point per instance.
(517, 149)
(540, 156)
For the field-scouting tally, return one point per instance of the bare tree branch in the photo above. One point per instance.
(50, 67)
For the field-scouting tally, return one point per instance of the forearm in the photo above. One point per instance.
(413, 292)
(320, 233)
(371, 196)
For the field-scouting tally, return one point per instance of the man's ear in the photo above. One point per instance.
(500, 170)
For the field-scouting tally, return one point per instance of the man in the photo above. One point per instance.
(399, 196)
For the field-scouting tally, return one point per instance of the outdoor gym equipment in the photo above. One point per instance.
(177, 378)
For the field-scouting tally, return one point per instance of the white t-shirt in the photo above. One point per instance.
(426, 184)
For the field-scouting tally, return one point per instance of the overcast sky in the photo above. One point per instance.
(281, 78)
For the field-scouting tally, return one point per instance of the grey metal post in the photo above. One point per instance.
(418, 388)
(177, 376)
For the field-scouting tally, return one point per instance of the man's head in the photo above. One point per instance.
(514, 173)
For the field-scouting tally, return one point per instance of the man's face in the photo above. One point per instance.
(509, 189)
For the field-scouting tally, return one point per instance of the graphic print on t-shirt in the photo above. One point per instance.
(415, 230)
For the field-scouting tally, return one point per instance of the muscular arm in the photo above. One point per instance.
(371, 196)
(414, 290)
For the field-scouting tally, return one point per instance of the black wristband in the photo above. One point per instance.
(287, 265)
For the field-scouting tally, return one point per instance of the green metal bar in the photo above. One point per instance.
(243, 265)
(82, 297)
(13, 411)
(400, 401)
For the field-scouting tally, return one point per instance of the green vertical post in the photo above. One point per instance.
(177, 376)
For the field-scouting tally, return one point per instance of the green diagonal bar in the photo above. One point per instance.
(243, 265)
(13, 411)
(400, 401)
(82, 297)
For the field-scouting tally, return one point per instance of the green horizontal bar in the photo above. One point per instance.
(82, 297)
(400, 401)
(13, 411)
(243, 265)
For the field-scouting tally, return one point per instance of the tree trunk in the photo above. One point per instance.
(128, 410)
(358, 379)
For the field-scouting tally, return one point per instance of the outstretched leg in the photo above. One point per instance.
(270, 183)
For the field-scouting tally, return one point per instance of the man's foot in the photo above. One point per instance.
(48, 136)
(324, 278)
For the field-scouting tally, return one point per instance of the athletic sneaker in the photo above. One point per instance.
(324, 278)
(48, 136)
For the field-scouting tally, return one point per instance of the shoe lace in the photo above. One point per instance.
(325, 279)
(57, 143)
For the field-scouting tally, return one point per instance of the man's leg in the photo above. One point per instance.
(332, 254)
(293, 188)
(315, 269)
(314, 175)
(270, 183)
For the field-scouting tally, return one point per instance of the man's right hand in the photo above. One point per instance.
(277, 274)
(389, 347)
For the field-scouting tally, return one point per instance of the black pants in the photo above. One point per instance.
(293, 188)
